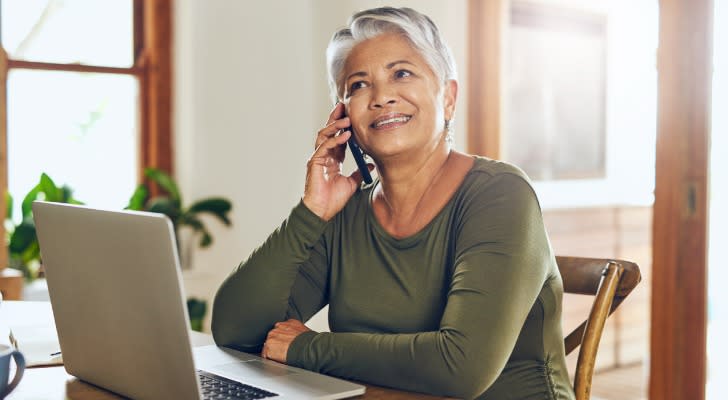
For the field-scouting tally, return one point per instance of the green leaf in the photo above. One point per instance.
(68, 196)
(27, 205)
(138, 198)
(196, 309)
(216, 206)
(191, 221)
(22, 237)
(31, 253)
(206, 239)
(198, 227)
(52, 192)
(196, 324)
(166, 183)
(164, 205)
(8, 206)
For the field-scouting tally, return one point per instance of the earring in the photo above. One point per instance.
(448, 128)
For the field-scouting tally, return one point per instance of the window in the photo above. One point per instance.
(85, 95)
(555, 86)
(567, 91)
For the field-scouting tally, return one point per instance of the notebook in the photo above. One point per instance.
(119, 307)
(38, 343)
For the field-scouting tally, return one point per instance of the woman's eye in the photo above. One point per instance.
(356, 85)
(402, 73)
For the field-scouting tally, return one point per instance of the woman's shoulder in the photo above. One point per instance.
(485, 167)
(498, 181)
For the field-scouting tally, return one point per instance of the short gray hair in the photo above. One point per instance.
(416, 27)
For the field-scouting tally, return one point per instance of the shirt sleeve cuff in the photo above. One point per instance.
(296, 355)
(306, 222)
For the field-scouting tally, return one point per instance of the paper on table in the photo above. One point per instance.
(38, 343)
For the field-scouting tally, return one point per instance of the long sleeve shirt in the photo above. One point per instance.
(470, 306)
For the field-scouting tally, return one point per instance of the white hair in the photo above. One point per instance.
(414, 26)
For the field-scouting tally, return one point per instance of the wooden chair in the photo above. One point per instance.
(609, 281)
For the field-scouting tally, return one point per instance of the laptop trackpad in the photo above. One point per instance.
(254, 368)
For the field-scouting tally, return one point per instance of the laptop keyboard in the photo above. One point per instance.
(216, 387)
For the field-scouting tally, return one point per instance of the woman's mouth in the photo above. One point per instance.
(390, 121)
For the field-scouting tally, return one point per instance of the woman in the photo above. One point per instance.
(439, 276)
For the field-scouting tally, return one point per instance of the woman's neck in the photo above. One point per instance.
(405, 186)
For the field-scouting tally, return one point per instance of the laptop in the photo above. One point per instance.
(120, 311)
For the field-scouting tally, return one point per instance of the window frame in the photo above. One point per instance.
(152, 67)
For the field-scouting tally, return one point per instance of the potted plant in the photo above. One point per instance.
(170, 204)
(23, 248)
(183, 217)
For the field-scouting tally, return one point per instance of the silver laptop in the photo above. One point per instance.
(119, 306)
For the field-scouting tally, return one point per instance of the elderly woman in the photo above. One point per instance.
(439, 276)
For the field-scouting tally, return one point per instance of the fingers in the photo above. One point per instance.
(338, 112)
(331, 129)
(291, 325)
(285, 325)
(336, 140)
(336, 122)
(328, 147)
(279, 339)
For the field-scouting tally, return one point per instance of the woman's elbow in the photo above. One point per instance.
(469, 373)
(457, 378)
(220, 332)
(223, 323)
(466, 387)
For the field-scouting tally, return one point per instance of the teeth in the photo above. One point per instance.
(392, 120)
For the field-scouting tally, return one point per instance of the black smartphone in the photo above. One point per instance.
(359, 158)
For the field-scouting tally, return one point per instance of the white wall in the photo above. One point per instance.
(251, 92)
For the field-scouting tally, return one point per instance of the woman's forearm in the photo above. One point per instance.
(257, 294)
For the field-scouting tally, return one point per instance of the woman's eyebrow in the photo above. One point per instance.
(388, 66)
(394, 63)
(358, 74)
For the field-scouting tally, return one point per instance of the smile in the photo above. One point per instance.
(391, 121)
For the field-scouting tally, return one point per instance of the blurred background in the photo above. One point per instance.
(246, 91)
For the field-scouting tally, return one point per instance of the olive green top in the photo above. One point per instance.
(468, 307)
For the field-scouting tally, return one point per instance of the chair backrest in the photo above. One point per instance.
(609, 281)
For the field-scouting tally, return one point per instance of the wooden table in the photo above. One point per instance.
(51, 383)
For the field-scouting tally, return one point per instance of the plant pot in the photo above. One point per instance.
(186, 242)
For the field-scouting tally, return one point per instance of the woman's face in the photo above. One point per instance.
(394, 100)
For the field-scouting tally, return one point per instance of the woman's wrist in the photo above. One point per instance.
(296, 355)
(317, 209)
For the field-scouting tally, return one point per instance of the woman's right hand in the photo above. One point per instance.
(327, 190)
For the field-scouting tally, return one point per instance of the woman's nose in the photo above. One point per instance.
(382, 95)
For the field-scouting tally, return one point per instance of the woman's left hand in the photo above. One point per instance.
(280, 337)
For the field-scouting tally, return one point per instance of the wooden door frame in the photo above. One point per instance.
(680, 212)
(680, 222)
(487, 21)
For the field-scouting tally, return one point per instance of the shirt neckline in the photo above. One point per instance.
(415, 238)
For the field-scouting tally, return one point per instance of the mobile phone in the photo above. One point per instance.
(359, 158)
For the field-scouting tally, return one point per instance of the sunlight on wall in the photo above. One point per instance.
(717, 273)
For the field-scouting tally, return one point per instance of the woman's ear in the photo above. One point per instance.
(450, 97)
